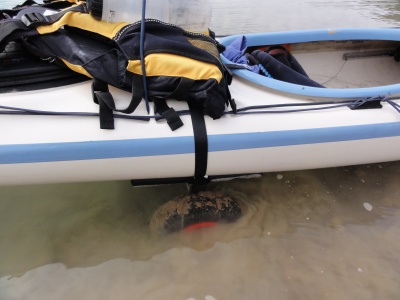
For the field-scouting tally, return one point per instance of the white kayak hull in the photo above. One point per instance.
(37, 149)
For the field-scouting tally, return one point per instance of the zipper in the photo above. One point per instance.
(190, 33)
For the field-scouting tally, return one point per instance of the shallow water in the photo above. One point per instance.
(329, 233)
(236, 16)
(306, 235)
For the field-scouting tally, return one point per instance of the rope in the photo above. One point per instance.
(258, 109)
(330, 104)
(353, 104)
(142, 33)
(264, 70)
(395, 105)
(254, 61)
(9, 110)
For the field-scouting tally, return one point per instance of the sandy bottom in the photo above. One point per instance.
(330, 233)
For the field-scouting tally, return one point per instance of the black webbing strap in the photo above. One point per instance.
(102, 96)
(11, 30)
(27, 20)
(104, 99)
(200, 146)
(32, 17)
(137, 94)
(169, 114)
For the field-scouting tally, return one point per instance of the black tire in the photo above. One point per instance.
(203, 209)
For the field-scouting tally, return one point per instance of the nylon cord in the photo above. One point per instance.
(142, 32)
(260, 109)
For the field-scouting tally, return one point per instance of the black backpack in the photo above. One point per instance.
(154, 60)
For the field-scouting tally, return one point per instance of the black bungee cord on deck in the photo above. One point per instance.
(395, 105)
(371, 102)
(11, 110)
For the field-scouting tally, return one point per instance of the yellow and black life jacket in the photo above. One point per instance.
(152, 59)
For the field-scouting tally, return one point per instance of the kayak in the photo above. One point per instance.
(51, 134)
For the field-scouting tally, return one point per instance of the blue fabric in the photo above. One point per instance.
(235, 53)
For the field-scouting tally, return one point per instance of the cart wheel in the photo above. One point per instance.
(192, 212)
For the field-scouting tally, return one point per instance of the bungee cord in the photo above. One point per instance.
(259, 109)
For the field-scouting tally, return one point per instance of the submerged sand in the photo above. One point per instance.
(329, 233)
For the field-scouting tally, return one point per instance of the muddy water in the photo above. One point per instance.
(237, 16)
(330, 233)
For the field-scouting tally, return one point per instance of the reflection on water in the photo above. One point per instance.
(329, 233)
(237, 16)
(281, 15)
(306, 234)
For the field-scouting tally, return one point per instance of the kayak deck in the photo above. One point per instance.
(71, 148)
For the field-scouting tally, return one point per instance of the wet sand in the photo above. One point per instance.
(329, 233)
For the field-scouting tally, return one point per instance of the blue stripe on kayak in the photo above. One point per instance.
(303, 136)
(49, 152)
(341, 34)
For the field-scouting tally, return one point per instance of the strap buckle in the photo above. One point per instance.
(34, 19)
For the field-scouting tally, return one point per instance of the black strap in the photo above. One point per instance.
(104, 99)
(27, 20)
(169, 114)
(137, 94)
(200, 146)
(102, 96)
(33, 17)
(105, 112)
(11, 30)
(172, 117)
